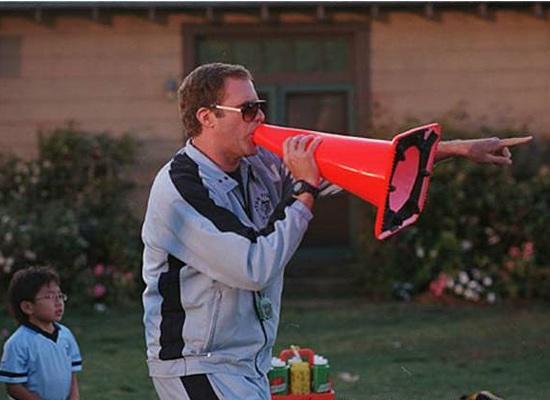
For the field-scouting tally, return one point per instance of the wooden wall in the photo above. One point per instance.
(111, 75)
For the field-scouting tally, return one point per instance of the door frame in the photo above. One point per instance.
(358, 81)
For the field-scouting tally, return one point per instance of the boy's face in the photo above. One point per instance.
(47, 306)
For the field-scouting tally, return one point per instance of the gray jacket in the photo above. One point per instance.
(209, 257)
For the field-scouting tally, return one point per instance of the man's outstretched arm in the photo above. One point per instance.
(489, 150)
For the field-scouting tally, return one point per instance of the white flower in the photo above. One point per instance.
(5, 219)
(100, 307)
(466, 245)
(491, 297)
(450, 283)
(476, 274)
(8, 237)
(433, 253)
(29, 255)
(8, 264)
(469, 294)
(420, 252)
(487, 281)
(473, 285)
(463, 277)
(459, 289)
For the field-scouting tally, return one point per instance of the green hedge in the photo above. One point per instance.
(68, 209)
(478, 219)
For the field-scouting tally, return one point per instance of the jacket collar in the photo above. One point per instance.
(211, 172)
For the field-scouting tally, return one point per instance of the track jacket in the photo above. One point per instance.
(209, 253)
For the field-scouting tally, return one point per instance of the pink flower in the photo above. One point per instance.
(514, 252)
(509, 265)
(99, 269)
(437, 286)
(128, 276)
(528, 250)
(99, 291)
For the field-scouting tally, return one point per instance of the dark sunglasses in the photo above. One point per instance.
(248, 110)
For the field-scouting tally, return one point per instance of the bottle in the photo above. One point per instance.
(278, 377)
(300, 376)
(320, 382)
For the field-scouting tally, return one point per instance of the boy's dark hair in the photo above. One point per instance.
(24, 286)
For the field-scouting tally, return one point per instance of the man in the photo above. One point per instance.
(223, 219)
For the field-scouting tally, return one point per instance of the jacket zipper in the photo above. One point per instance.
(254, 294)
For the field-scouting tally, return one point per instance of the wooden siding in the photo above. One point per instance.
(493, 72)
(111, 76)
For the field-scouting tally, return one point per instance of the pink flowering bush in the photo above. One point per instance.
(495, 220)
(68, 208)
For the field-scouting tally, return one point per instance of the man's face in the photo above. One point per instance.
(235, 135)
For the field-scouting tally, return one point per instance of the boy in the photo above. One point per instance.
(41, 357)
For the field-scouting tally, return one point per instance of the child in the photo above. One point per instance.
(41, 357)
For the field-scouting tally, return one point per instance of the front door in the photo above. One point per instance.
(307, 79)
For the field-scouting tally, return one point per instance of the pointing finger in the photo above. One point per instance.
(515, 141)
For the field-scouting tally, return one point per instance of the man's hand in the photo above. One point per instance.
(483, 151)
(298, 156)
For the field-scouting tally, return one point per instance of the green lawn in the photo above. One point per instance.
(399, 351)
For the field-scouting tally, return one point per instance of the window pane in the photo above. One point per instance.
(10, 56)
(214, 50)
(308, 55)
(278, 56)
(336, 55)
(248, 53)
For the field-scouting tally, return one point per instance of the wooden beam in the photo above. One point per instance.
(429, 10)
(152, 14)
(538, 10)
(95, 14)
(38, 15)
(321, 13)
(483, 10)
(375, 11)
(210, 14)
(264, 13)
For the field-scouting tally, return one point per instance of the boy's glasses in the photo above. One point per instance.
(248, 110)
(61, 297)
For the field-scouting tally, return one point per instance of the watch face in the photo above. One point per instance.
(298, 187)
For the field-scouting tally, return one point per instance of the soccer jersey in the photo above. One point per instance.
(41, 361)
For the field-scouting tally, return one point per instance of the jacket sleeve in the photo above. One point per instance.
(212, 240)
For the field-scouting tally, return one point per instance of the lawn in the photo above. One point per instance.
(398, 351)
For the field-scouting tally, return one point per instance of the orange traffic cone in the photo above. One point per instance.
(394, 176)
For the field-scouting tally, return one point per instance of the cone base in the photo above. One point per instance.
(409, 178)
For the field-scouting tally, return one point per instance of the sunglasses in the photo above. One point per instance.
(248, 110)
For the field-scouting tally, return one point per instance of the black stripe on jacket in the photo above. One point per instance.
(172, 312)
(184, 173)
(198, 387)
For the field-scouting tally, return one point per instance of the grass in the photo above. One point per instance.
(399, 351)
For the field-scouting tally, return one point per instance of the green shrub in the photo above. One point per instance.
(68, 208)
(477, 217)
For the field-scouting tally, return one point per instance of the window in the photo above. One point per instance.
(279, 55)
(10, 56)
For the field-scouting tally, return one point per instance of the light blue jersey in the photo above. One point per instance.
(42, 362)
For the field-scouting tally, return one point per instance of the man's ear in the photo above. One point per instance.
(206, 117)
(27, 307)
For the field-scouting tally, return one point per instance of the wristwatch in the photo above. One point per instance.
(302, 186)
